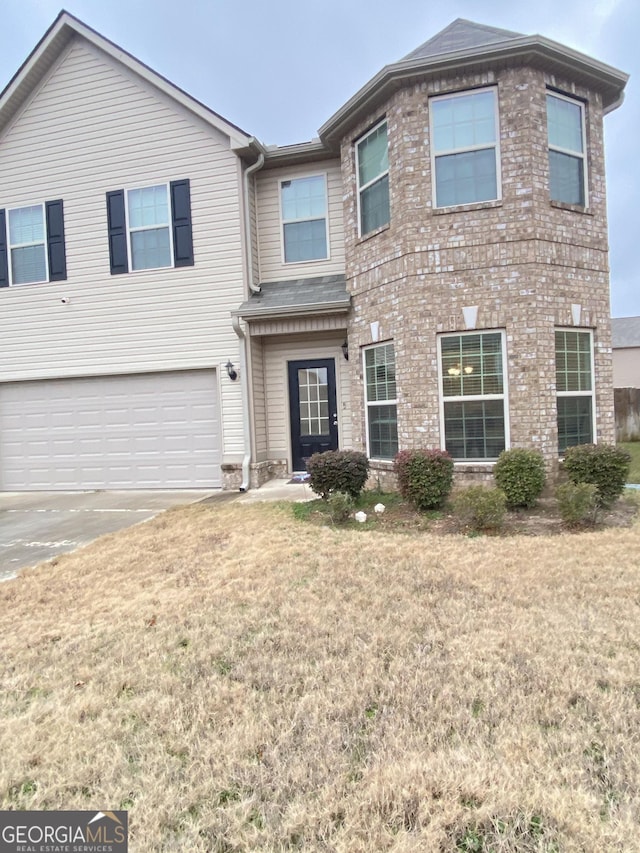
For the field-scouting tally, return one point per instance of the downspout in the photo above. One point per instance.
(237, 328)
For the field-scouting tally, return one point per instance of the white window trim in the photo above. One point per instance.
(378, 177)
(368, 403)
(11, 245)
(469, 398)
(495, 145)
(284, 221)
(592, 393)
(131, 230)
(583, 155)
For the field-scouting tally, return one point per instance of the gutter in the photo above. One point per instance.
(255, 288)
(315, 308)
(244, 377)
(244, 384)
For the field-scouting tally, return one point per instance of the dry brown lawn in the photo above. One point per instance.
(242, 681)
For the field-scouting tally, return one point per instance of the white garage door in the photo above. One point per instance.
(118, 432)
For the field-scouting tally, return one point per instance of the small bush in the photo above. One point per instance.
(604, 465)
(338, 471)
(425, 477)
(480, 508)
(577, 503)
(520, 474)
(340, 506)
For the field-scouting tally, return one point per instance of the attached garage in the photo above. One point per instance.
(143, 431)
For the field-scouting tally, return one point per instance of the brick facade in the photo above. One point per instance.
(522, 261)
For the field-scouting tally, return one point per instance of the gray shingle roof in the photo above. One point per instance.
(298, 296)
(461, 35)
(625, 332)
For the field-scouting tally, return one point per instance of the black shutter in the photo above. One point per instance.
(181, 221)
(55, 241)
(118, 255)
(4, 259)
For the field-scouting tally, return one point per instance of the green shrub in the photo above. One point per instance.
(338, 471)
(480, 508)
(604, 465)
(340, 506)
(577, 503)
(520, 474)
(425, 477)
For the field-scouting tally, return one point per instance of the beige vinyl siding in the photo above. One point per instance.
(92, 127)
(259, 401)
(277, 352)
(272, 266)
(626, 368)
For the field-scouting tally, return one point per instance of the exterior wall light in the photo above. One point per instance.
(232, 373)
(345, 349)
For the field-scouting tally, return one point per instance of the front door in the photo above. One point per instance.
(313, 412)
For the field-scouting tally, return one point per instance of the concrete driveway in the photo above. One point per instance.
(36, 526)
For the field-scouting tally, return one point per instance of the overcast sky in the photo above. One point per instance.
(280, 68)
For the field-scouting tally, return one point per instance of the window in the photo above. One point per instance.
(381, 408)
(373, 179)
(150, 227)
(473, 395)
(304, 218)
(565, 126)
(464, 145)
(574, 388)
(149, 232)
(32, 247)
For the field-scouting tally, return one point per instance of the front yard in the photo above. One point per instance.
(241, 680)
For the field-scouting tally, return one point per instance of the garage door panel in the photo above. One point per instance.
(138, 431)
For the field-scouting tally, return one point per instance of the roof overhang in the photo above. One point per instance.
(536, 51)
(59, 36)
(292, 155)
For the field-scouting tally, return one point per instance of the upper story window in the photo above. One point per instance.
(372, 166)
(473, 395)
(150, 227)
(304, 218)
(149, 232)
(464, 147)
(567, 156)
(32, 246)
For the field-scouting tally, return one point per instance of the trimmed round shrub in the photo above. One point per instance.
(520, 474)
(338, 471)
(577, 503)
(604, 465)
(480, 508)
(425, 477)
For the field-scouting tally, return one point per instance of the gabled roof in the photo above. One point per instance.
(464, 46)
(461, 35)
(625, 332)
(55, 41)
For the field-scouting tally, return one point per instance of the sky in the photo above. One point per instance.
(280, 68)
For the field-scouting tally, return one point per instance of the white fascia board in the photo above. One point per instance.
(54, 41)
(399, 71)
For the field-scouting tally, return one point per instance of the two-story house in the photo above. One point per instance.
(182, 306)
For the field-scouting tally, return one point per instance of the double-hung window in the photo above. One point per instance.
(567, 156)
(381, 403)
(32, 246)
(464, 147)
(372, 167)
(150, 227)
(574, 387)
(303, 204)
(473, 395)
